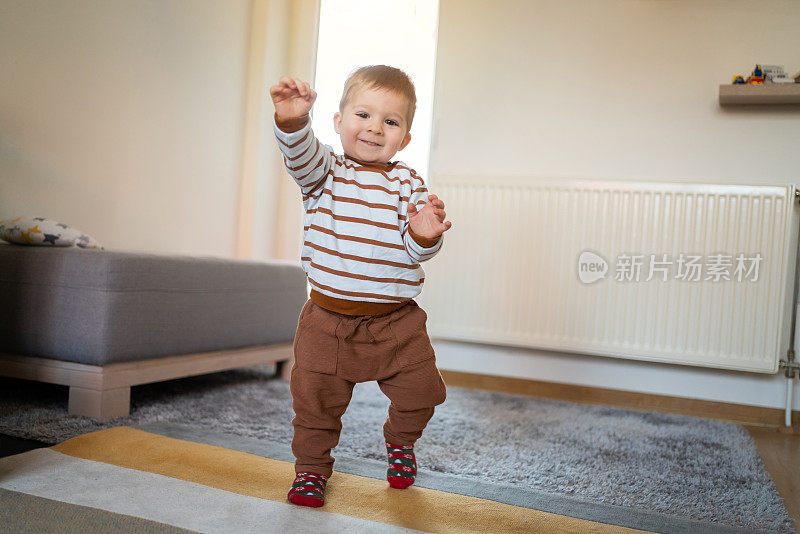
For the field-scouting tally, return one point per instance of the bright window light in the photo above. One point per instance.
(355, 33)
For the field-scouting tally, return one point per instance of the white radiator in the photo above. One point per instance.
(721, 297)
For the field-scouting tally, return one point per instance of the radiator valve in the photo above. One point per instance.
(790, 364)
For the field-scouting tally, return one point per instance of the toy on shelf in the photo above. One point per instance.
(766, 74)
(775, 74)
(757, 77)
(768, 84)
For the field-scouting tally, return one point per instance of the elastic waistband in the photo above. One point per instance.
(355, 308)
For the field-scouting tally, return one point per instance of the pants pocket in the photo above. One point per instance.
(413, 343)
(315, 342)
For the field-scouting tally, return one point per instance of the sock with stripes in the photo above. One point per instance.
(402, 465)
(308, 489)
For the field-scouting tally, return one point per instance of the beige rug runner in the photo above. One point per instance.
(208, 488)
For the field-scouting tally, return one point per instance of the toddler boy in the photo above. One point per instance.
(365, 236)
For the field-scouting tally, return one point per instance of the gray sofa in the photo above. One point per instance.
(102, 321)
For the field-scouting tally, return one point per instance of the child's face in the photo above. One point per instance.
(373, 125)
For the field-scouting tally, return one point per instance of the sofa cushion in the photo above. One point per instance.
(99, 307)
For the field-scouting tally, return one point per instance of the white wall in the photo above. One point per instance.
(612, 89)
(124, 119)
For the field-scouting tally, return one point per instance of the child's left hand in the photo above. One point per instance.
(429, 221)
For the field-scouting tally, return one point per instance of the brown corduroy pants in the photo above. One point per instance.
(333, 352)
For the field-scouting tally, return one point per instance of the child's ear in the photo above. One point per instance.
(406, 140)
(337, 122)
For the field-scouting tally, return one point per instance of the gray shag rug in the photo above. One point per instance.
(684, 466)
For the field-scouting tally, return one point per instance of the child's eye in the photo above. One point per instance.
(391, 122)
(362, 114)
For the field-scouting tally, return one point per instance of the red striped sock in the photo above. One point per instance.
(308, 489)
(402, 465)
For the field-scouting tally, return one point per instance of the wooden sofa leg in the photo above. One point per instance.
(284, 369)
(101, 404)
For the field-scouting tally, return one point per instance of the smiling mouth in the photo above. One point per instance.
(369, 143)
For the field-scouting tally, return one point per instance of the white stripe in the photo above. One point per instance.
(359, 231)
(53, 475)
(365, 267)
(351, 209)
(362, 286)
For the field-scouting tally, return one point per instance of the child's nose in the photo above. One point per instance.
(376, 127)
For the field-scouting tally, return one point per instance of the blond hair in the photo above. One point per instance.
(381, 77)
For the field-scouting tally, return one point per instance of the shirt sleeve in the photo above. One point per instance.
(419, 248)
(308, 161)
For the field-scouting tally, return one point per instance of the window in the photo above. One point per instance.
(400, 33)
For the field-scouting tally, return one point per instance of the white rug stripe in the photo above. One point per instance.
(53, 475)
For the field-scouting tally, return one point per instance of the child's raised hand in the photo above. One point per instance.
(292, 97)
(429, 221)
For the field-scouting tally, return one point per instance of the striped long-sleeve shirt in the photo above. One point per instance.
(359, 252)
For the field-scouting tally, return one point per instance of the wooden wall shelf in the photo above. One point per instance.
(768, 93)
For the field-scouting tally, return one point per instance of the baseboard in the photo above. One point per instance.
(737, 413)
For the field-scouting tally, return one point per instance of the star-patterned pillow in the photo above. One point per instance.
(41, 231)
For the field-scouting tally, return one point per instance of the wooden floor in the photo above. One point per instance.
(781, 455)
(780, 452)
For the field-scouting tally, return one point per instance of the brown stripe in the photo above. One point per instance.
(388, 226)
(422, 189)
(389, 178)
(363, 186)
(322, 181)
(422, 255)
(287, 159)
(361, 202)
(411, 171)
(376, 187)
(302, 154)
(363, 277)
(372, 165)
(374, 170)
(308, 161)
(356, 293)
(354, 238)
(284, 143)
(425, 255)
(359, 258)
(368, 168)
(316, 166)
